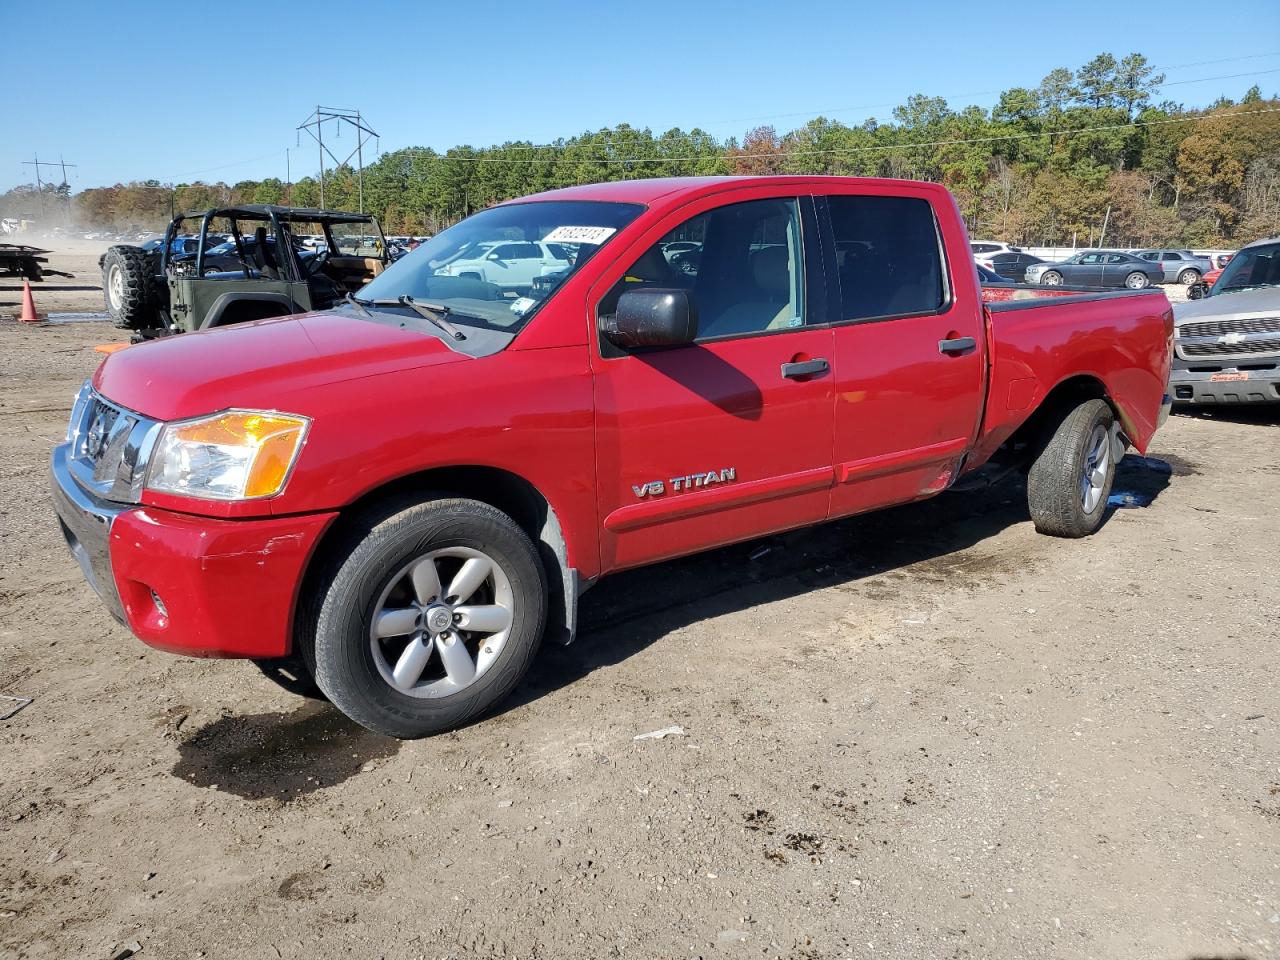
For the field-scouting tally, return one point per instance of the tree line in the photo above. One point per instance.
(1047, 165)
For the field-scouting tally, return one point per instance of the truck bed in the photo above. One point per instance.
(1122, 339)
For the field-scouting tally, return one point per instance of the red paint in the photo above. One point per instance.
(227, 586)
(892, 420)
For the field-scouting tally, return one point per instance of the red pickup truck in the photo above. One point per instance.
(408, 491)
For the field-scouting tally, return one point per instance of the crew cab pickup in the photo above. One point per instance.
(407, 491)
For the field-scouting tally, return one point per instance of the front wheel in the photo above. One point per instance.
(1136, 280)
(1070, 481)
(1051, 278)
(432, 618)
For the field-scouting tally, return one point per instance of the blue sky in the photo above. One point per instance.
(187, 91)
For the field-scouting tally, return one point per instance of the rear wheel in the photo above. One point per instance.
(1137, 280)
(432, 618)
(1071, 479)
(1189, 276)
(1051, 278)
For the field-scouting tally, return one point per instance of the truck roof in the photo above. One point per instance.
(649, 190)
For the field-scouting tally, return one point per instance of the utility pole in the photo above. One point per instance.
(314, 125)
(38, 163)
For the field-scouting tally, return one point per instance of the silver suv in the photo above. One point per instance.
(1227, 345)
(1181, 266)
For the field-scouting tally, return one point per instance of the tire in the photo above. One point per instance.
(130, 287)
(1051, 278)
(1189, 276)
(291, 674)
(407, 678)
(1056, 492)
(1137, 280)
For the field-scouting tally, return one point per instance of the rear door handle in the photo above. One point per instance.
(958, 345)
(805, 368)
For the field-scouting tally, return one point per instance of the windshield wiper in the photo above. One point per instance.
(435, 312)
(359, 304)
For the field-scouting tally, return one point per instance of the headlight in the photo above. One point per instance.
(238, 455)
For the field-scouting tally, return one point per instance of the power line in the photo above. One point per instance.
(845, 150)
(1109, 91)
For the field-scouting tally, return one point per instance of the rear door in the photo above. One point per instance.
(727, 438)
(909, 364)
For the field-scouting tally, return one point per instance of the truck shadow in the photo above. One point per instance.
(628, 612)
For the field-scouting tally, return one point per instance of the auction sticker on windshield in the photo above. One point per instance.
(580, 234)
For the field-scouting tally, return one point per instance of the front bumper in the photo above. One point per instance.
(193, 585)
(1233, 385)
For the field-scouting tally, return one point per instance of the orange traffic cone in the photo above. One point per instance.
(28, 314)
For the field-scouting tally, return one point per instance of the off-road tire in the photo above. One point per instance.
(291, 674)
(1053, 485)
(138, 290)
(378, 545)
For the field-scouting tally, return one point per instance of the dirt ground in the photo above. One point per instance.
(923, 733)
(79, 293)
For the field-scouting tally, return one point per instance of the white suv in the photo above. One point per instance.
(512, 265)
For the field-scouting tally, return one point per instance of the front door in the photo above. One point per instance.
(1089, 271)
(908, 350)
(727, 438)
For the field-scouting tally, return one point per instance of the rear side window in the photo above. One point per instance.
(888, 259)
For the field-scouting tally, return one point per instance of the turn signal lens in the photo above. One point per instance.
(240, 455)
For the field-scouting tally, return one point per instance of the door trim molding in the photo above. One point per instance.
(854, 470)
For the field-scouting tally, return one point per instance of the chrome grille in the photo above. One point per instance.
(1243, 349)
(1232, 337)
(109, 446)
(1219, 328)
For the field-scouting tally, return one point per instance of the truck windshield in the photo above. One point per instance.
(1251, 268)
(490, 270)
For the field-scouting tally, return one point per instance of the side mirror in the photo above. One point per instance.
(493, 256)
(652, 318)
(1198, 290)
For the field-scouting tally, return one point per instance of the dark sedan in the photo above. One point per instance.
(1098, 268)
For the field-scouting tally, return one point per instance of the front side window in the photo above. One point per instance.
(742, 265)
(887, 256)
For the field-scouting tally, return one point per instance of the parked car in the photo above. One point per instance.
(512, 266)
(1097, 268)
(1227, 342)
(984, 248)
(1220, 260)
(409, 489)
(1010, 265)
(1179, 266)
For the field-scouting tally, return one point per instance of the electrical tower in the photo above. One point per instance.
(314, 125)
(38, 163)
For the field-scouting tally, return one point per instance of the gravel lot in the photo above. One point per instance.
(924, 733)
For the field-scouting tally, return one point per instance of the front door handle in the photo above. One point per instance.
(805, 368)
(958, 345)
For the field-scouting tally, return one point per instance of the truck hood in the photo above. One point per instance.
(1265, 301)
(260, 365)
